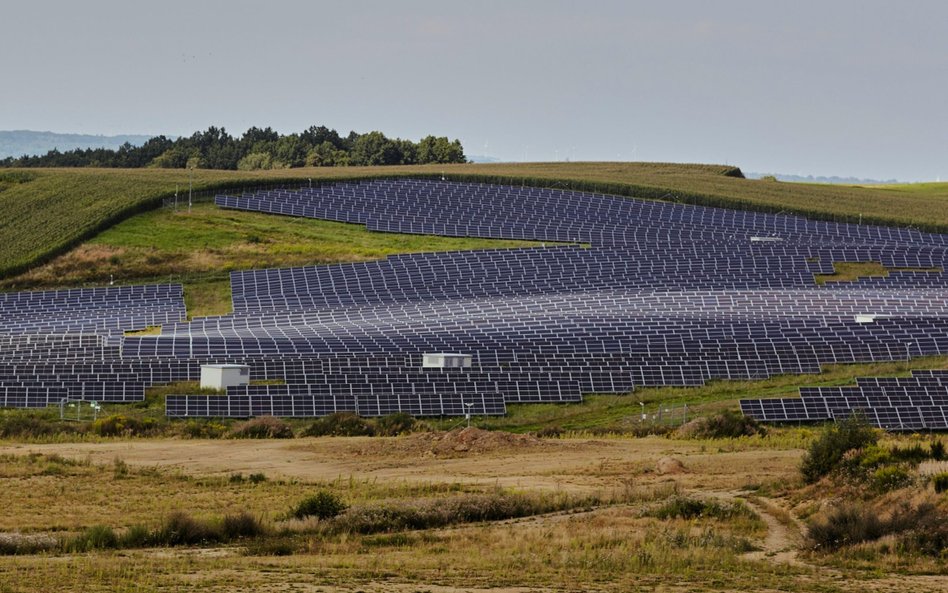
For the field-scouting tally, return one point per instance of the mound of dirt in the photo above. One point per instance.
(455, 443)
(669, 466)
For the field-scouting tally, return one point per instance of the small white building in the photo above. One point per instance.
(446, 361)
(222, 376)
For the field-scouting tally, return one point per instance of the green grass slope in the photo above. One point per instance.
(199, 247)
(44, 212)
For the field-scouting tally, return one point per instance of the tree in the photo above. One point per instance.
(440, 150)
(374, 149)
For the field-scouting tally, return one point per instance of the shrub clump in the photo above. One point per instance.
(827, 452)
(262, 427)
(843, 526)
(940, 482)
(919, 527)
(936, 450)
(322, 505)
(433, 513)
(683, 507)
(340, 424)
(394, 425)
(17, 424)
(726, 425)
(241, 525)
(890, 477)
(181, 529)
(121, 425)
(202, 429)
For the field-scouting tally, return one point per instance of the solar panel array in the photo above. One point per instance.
(658, 294)
(64, 344)
(919, 402)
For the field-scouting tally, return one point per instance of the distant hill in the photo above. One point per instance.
(16, 143)
(820, 179)
(480, 158)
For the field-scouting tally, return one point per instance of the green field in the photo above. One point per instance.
(200, 246)
(44, 212)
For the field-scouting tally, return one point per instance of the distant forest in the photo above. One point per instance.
(318, 146)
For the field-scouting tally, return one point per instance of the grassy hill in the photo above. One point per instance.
(44, 212)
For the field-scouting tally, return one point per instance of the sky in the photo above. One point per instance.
(842, 87)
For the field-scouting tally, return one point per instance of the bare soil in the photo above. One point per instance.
(468, 456)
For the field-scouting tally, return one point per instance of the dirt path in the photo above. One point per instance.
(782, 541)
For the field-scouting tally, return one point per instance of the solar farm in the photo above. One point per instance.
(624, 293)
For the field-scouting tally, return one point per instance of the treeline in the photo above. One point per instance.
(318, 146)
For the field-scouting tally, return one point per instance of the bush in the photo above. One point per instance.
(683, 507)
(202, 429)
(280, 546)
(394, 425)
(936, 450)
(181, 529)
(341, 424)
(257, 478)
(914, 454)
(97, 537)
(240, 525)
(121, 425)
(549, 432)
(926, 530)
(322, 505)
(922, 527)
(433, 513)
(137, 536)
(262, 427)
(844, 526)
(17, 424)
(727, 424)
(940, 482)
(826, 453)
(889, 478)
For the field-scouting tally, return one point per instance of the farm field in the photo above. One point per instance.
(35, 202)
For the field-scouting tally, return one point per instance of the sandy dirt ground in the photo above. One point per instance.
(572, 465)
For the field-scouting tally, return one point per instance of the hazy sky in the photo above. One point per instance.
(856, 87)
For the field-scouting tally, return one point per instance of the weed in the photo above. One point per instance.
(940, 482)
(119, 468)
(394, 425)
(936, 450)
(97, 537)
(322, 505)
(727, 424)
(341, 424)
(890, 477)
(121, 425)
(241, 525)
(262, 427)
(683, 507)
(181, 529)
(271, 546)
(845, 525)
